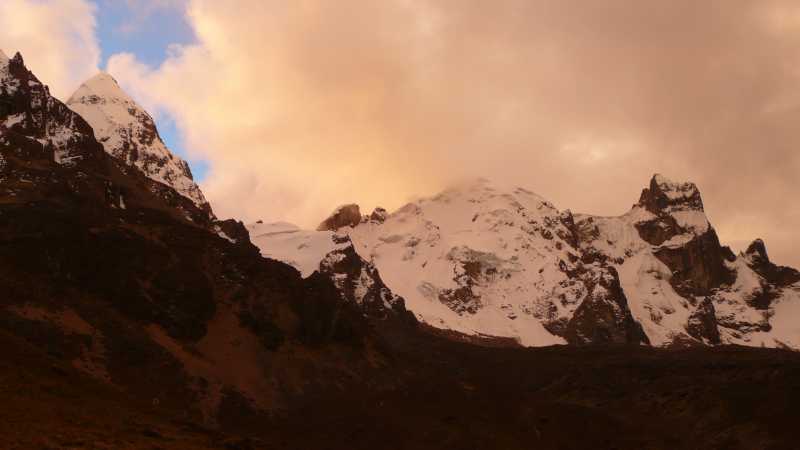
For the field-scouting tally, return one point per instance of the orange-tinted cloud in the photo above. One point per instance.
(56, 37)
(300, 106)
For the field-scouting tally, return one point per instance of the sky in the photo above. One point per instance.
(287, 109)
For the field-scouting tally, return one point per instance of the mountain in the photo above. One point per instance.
(132, 319)
(487, 261)
(120, 278)
(129, 134)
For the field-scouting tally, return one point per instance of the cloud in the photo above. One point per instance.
(56, 38)
(301, 106)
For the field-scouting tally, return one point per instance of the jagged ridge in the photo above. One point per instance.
(497, 261)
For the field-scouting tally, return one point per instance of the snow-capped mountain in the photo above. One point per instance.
(485, 260)
(129, 133)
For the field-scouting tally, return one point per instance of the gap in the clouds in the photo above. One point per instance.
(146, 30)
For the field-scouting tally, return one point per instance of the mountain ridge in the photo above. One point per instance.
(655, 275)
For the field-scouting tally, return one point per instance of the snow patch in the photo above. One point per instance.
(283, 241)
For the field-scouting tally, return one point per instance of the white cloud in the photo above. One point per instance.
(300, 106)
(56, 38)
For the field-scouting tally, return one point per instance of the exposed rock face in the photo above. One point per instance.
(603, 316)
(378, 215)
(37, 125)
(360, 283)
(686, 242)
(664, 195)
(129, 134)
(233, 230)
(702, 324)
(758, 260)
(344, 216)
(698, 266)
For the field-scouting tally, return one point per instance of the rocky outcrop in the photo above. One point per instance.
(378, 215)
(233, 230)
(664, 195)
(685, 241)
(758, 260)
(702, 323)
(603, 316)
(344, 216)
(698, 266)
(35, 125)
(359, 282)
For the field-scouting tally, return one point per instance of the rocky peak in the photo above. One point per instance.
(757, 252)
(378, 215)
(683, 238)
(664, 195)
(17, 60)
(129, 134)
(6, 63)
(756, 258)
(673, 214)
(41, 126)
(344, 216)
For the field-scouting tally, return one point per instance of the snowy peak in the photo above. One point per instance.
(757, 252)
(673, 213)
(44, 126)
(102, 88)
(665, 195)
(129, 133)
(101, 84)
(3, 59)
(484, 259)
